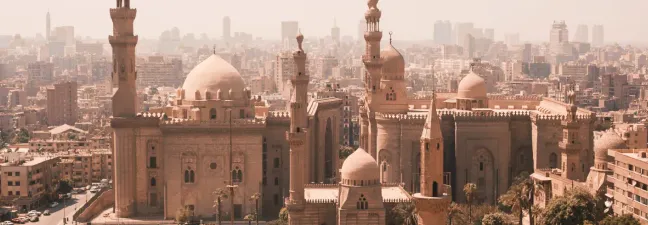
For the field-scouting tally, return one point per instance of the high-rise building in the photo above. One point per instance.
(559, 36)
(39, 73)
(288, 31)
(461, 30)
(598, 37)
(227, 23)
(361, 29)
(512, 39)
(48, 24)
(469, 46)
(581, 34)
(335, 32)
(62, 104)
(64, 34)
(443, 32)
(325, 66)
(489, 33)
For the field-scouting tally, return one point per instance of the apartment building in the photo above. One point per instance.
(29, 183)
(86, 166)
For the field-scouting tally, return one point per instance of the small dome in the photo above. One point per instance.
(472, 86)
(609, 140)
(212, 75)
(393, 62)
(360, 166)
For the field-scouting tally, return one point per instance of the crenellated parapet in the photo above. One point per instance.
(490, 115)
(238, 123)
(320, 185)
(515, 98)
(554, 118)
(401, 118)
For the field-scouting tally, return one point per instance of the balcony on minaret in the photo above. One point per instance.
(123, 13)
(128, 40)
(298, 137)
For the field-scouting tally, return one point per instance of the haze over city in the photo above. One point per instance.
(332, 112)
(408, 19)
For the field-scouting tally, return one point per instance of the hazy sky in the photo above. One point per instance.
(408, 19)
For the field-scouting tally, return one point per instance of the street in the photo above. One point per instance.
(56, 216)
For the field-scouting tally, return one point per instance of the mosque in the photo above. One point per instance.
(216, 135)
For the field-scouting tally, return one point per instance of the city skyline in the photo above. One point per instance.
(316, 19)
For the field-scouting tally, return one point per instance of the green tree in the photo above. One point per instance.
(65, 186)
(283, 215)
(455, 214)
(520, 196)
(153, 91)
(345, 151)
(255, 197)
(4, 139)
(575, 207)
(626, 219)
(494, 219)
(22, 136)
(402, 213)
(221, 194)
(470, 190)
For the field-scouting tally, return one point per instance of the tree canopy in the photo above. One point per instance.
(575, 207)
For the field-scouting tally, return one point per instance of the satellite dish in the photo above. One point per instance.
(634, 183)
(606, 210)
(608, 204)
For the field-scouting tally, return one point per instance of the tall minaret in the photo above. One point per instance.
(433, 200)
(123, 43)
(297, 136)
(570, 146)
(124, 100)
(373, 67)
(48, 24)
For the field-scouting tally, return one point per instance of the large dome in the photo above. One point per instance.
(472, 86)
(212, 75)
(393, 63)
(360, 166)
(609, 140)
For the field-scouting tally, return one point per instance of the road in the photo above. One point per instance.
(56, 216)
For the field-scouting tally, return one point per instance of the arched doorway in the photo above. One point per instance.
(435, 189)
(328, 152)
(483, 174)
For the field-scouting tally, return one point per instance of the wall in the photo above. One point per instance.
(97, 204)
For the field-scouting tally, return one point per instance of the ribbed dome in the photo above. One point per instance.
(360, 166)
(393, 63)
(472, 86)
(609, 140)
(211, 75)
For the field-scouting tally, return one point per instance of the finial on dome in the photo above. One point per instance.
(390, 37)
(300, 40)
(372, 3)
(214, 49)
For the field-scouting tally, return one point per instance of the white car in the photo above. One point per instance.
(8, 223)
(54, 204)
(34, 211)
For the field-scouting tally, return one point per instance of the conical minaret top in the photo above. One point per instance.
(432, 128)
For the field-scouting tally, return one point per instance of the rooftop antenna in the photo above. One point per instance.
(214, 49)
(390, 36)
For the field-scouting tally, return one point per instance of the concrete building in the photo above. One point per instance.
(443, 32)
(598, 36)
(325, 65)
(559, 38)
(62, 105)
(627, 181)
(581, 34)
(158, 71)
(84, 167)
(39, 74)
(227, 28)
(288, 31)
(30, 182)
(16, 98)
(335, 32)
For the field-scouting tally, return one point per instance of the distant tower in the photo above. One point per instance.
(433, 201)
(48, 26)
(124, 106)
(598, 36)
(335, 32)
(373, 73)
(570, 146)
(298, 136)
(227, 26)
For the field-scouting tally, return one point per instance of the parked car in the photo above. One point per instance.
(46, 212)
(8, 223)
(54, 204)
(34, 211)
(93, 190)
(33, 219)
(24, 219)
(16, 220)
(32, 214)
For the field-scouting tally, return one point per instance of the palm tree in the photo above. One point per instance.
(454, 213)
(470, 190)
(221, 194)
(516, 199)
(255, 197)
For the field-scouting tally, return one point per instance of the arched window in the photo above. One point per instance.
(192, 176)
(362, 203)
(553, 160)
(276, 181)
(186, 176)
(276, 162)
(240, 176)
(237, 175)
(212, 114)
(481, 166)
(384, 167)
(153, 182)
(435, 189)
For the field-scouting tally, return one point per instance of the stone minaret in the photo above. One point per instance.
(570, 146)
(433, 201)
(124, 103)
(297, 136)
(373, 66)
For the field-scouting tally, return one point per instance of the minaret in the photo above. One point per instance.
(297, 136)
(123, 43)
(48, 26)
(570, 146)
(433, 201)
(373, 67)
(124, 105)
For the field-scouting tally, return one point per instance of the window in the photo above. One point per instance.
(212, 166)
(481, 166)
(237, 175)
(212, 114)
(362, 203)
(17, 174)
(438, 146)
(241, 113)
(9, 183)
(276, 163)
(276, 181)
(153, 182)
(152, 162)
(17, 183)
(427, 147)
(275, 198)
(9, 173)
(189, 176)
(18, 193)
(10, 193)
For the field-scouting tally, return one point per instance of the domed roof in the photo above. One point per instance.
(211, 75)
(609, 140)
(472, 86)
(360, 166)
(393, 61)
